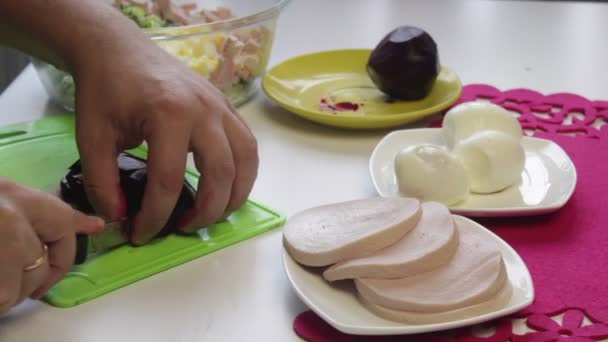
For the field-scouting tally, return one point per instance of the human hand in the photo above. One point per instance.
(30, 220)
(132, 91)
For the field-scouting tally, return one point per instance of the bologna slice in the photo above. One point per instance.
(475, 274)
(502, 298)
(430, 244)
(327, 234)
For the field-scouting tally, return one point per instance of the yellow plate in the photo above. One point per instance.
(302, 84)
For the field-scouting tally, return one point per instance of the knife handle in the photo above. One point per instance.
(82, 243)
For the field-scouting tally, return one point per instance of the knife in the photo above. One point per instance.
(111, 237)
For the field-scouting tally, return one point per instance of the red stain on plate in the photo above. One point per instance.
(340, 106)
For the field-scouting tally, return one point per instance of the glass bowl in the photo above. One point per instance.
(231, 53)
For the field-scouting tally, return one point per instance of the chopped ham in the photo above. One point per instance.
(241, 53)
(226, 74)
(188, 8)
(154, 9)
(255, 40)
(249, 67)
(218, 14)
(185, 14)
(172, 12)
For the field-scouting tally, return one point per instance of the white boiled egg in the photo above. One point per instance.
(466, 119)
(430, 173)
(494, 160)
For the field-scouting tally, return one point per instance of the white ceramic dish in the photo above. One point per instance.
(339, 306)
(546, 184)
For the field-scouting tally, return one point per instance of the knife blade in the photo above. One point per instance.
(111, 237)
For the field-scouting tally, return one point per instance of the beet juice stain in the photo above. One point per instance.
(341, 106)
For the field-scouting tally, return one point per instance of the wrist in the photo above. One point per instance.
(106, 34)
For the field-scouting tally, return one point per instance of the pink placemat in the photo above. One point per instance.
(566, 251)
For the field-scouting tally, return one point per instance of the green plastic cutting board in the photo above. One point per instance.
(37, 154)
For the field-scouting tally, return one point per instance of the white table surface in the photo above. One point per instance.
(241, 293)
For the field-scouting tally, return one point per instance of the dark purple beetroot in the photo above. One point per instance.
(405, 64)
(133, 179)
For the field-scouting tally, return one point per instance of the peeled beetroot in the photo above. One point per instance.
(405, 64)
(133, 178)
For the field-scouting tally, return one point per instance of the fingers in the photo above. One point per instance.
(10, 279)
(33, 251)
(60, 258)
(62, 246)
(52, 218)
(213, 159)
(11, 256)
(166, 168)
(36, 278)
(228, 170)
(21, 248)
(237, 115)
(98, 152)
(56, 225)
(245, 154)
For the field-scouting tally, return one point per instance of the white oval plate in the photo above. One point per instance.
(546, 184)
(338, 304)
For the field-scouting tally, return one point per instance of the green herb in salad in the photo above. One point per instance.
(142, 19)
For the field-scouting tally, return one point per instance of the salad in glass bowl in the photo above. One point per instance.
(228, 42)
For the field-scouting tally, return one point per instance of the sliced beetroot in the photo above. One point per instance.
(133, 178)
(405, 64)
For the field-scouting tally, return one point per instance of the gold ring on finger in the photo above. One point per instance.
(38, 262)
